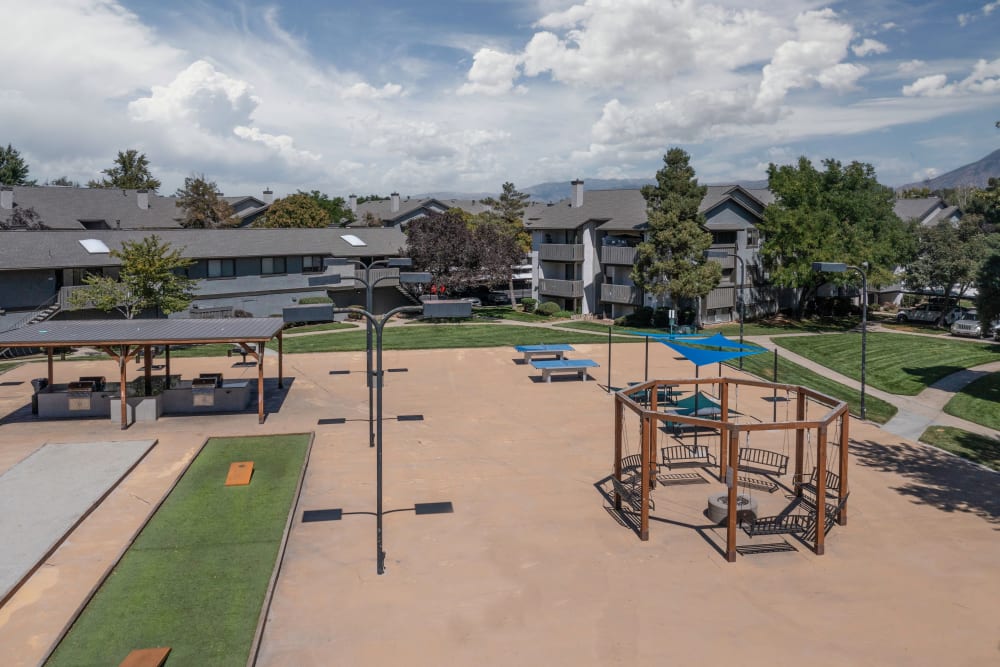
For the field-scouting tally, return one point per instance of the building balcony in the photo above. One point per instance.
(624, 294)
(567, 289)
(721, 297)
(386, 277)
(728, 262)
(560, 252)
(613, 254)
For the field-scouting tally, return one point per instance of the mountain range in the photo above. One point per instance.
(975, 174)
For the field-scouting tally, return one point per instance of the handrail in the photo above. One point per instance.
(37, 311)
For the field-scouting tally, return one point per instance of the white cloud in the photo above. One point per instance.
(925, 174)
(366, 91)
(987, 9)
(910, 66)
(199, 95)
(492, 73)
(282, 144)
(984, 79)
(869, 46)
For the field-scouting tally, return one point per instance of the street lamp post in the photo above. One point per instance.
(392, 263)
(839, 267)
(743, 279)
(376, 379)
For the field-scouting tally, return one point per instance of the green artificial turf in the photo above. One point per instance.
(978, 402)
(440, 336)
(762, 365)
(328, 326)
(8, 365)
(508, 313)
(195, 578)
(897, 363)
(972, 446)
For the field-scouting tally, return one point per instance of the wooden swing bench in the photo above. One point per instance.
(788, 523)
(760, 464)
(686, 456)
(832, 482)
(630, 493)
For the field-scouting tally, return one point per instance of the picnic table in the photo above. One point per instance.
(578, 366)
(556, 350)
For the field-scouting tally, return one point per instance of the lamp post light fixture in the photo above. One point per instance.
(839, 267)
(378, 324)
(718, 254)
(391, 263)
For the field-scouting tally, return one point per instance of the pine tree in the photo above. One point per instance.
(203, 207)
(672, 258)
(130, 172)
(13, 168)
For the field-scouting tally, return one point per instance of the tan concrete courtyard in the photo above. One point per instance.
(532, 568)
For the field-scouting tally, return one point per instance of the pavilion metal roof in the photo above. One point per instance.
(70, 333)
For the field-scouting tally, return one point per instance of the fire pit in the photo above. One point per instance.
(718, 506)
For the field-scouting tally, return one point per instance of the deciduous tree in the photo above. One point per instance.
(841, 214)
(149, 277)
(203, 207)
(129, 172)
(298, 210)
(508, 210)
(988, 284)
(442, 243)
(672, 258)
(23, 218)
(336, 208)
(948, 257)
(13, 168)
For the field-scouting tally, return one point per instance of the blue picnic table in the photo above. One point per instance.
(578, 366)
(557, 350)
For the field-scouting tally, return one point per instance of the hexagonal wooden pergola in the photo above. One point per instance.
(642, 399)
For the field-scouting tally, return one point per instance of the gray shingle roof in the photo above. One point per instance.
(69, 208)
(59, 249)
(127, 332)
(411, 207)
(916, 209)
(624, 210)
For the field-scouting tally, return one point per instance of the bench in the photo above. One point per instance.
(762, 461)
(631, 495)
(578, 366)
(557, 351)
(686, 456)
(786, 523)
(832, 482)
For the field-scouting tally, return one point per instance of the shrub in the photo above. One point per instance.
(529, 304)
(548, 308)
(306, 300)
(563, 313)
(661, 318)
(640, 317)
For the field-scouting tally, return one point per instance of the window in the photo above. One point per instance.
(221, 268)
(724, 238)
(312, 264)
(753, 237)
(272, 265)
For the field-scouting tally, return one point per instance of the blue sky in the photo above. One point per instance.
(380, 96)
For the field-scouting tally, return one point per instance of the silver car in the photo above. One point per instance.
(967, 325)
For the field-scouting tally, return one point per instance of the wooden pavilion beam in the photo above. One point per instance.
(619, 414)
(51, 374)
(800, 414)
(821, 491)
(281, 361)
(734, 458)
(845, 444)
(147, 355)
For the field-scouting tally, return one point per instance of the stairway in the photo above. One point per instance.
(44, 312)
(412, 298)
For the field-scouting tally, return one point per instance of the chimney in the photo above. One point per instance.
(268, 196)
(577, 198)
(395, 202)
(142, 199)
(6, 197)
(352, 203)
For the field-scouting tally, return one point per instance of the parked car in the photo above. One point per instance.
(474, 300)
(967, 325)
(498, 298)
(929, 312)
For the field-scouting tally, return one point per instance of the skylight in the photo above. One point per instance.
(94, 246)
(353, 240)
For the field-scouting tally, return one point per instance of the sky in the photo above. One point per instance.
(376, 96)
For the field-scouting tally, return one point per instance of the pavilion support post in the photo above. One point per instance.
(644, 513)
(723, 440)
(800, 441)
(733, 436)
(260, 383)
(147, 355)
(821, 491)
(619, 412)
(650, 462)
(122, 369)
(845, 443)
(281, 361)
(166, 362)
(49, 350)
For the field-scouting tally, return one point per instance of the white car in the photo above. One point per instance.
(928, 312)
(967, 325)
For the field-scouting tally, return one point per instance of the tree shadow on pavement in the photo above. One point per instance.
(935, 477)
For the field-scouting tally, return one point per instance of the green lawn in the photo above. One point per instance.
(971, 446)
(978, 402)
(897, 363)
(508, 313)
(195, 578)
(762, 365)
(732, 330)
(328, 326)
(440, 336)
(7, 365)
